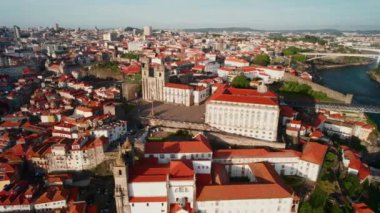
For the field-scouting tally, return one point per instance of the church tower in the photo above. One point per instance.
(120, 174)
(154, 79)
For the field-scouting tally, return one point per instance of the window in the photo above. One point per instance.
(147, 204)
(120, 172)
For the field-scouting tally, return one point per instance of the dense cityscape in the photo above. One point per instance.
(144, 119)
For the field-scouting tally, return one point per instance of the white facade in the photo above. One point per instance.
(251, 205)
(86, 112)
(112, 131)
(50, 205)
(153, 206)
(77, 158)
(135, 46)
(15, 208)
(212, 67)
(236, 62)
(112, 36)
(147, 30)
(251, 120)
(334, 127)
(178, 95)
(275, 73)
(309, 170)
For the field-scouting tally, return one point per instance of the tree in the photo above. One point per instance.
(262, 59)
(131, 56)
(333, 208)
(318, 198)
(291, 51)
(305, 207)
(240, 82)
(352, 185)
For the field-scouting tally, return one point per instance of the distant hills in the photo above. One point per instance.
(247, 29)
(224, 29)
(130, 29)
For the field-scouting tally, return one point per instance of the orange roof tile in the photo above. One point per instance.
(314, 153)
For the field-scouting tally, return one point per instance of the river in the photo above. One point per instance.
(356, 81)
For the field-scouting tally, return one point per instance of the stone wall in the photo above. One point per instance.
(347, 99)
(217, 138)
(130, 91)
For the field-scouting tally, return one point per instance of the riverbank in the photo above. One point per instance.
(374, 75)
(334, 66)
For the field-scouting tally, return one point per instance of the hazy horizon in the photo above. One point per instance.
(181, 14)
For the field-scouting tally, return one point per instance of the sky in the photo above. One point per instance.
(179, 14)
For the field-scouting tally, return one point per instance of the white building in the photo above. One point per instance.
(135, 46)
(53, 199)
(147, 31)
(351, 160)
(262, 193)
(76, 155)
(200, 94)
(112, 131)
(285, 162)
(112, 36)
(65, 130)
(177, 177)
(178, 94)
(236, 62)
(344, 130)
(276, 73)
(244, 112)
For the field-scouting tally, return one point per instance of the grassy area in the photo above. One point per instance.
(113, 66)
(323, 198)
(134, 79)
(295, 90)
(327, 180)
(131, 55)
(306, 97)
(180, 135)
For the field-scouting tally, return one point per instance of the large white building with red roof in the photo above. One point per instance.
(307, 163)
(187, 176)
(244, 112)
(236, 62)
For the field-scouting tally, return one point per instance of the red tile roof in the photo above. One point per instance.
(174, 208)
(314, 153)
(269, 186)
(181, 170)
(249, 96)
(287, 111)
(361, 208)
(177, 147)
(178, 86)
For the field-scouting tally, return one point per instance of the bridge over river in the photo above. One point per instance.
(336, 106)
(325, 55)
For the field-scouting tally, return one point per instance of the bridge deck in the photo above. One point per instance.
(339, 107)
